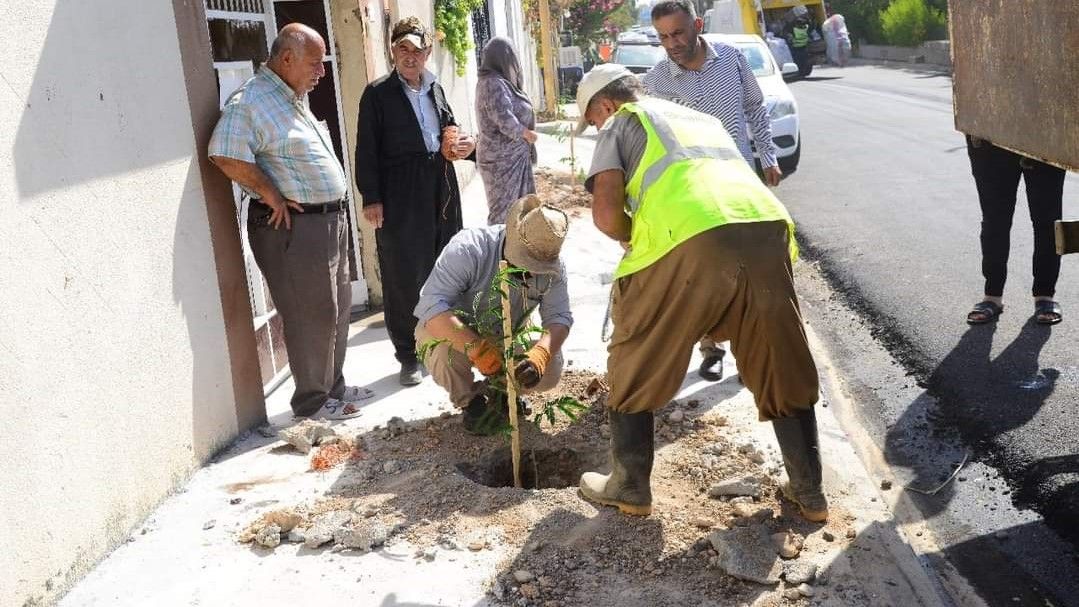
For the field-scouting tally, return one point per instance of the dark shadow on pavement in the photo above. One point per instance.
(973, 400)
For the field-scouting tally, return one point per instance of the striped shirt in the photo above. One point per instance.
(724, 87)
(265, 123)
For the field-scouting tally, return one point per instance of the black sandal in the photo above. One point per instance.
(1047, 312)
(984, 312)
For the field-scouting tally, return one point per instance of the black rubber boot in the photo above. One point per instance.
(712, 366)
(628, 486)
(481, 419)
(797, 437)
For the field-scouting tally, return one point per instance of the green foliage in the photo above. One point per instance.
(488, 323)
(910, 22)
(567, 405)
(594, 21)
(451, 23)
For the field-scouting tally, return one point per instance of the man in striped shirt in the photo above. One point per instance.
(715, 79)
(269, 143)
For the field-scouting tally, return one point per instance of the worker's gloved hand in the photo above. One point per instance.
(485, 357)
(530, 371)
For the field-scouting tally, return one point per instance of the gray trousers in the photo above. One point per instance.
(453, 371)
(306, 269)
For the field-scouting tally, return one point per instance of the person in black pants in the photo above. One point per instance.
(408, 139)
(996, 175)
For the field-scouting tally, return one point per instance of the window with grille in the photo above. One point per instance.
(236, 6)
(481, 30)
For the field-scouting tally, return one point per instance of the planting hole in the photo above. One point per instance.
(540, 468)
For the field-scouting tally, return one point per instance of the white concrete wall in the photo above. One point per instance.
(114, 372)
(509, 21)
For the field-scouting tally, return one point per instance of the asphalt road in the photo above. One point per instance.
(887, 210)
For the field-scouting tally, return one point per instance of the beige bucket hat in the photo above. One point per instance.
(534, 235)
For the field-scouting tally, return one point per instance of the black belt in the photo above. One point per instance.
(309, 209)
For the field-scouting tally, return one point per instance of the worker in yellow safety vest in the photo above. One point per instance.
(709, 252)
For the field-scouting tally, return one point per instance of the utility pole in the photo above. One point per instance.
(550, 72)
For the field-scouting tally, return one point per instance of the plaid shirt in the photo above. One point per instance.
(264, 122)
(724, 87)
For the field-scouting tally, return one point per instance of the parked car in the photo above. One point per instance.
(782, 108)
(641, 56)
(637, 54)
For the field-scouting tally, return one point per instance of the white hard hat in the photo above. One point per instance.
(592, 83)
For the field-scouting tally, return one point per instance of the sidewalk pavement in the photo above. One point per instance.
(187, 552)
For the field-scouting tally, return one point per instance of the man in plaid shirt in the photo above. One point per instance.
(269, 143)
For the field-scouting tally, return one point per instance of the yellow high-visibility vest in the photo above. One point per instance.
(691, 178)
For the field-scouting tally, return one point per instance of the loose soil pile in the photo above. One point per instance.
(420, 483)
(557, 188)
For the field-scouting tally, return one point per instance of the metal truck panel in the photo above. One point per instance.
(1016, 75)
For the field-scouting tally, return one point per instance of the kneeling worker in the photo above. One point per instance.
(710, 254)
(459, 308)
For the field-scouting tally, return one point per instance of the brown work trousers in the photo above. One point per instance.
(732, 282)
(306, 269)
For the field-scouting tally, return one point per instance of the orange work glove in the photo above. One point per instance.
(485, 357)
(530, 371)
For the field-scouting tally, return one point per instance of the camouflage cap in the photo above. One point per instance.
(413, 30)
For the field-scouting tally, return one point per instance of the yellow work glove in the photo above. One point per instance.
(530, 371)
(485, 357)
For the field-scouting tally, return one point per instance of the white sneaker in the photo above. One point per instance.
(356, 393)
(336, 409)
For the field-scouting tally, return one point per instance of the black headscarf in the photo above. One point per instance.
(499, 59)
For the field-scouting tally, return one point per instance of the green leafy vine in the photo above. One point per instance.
(451, 25)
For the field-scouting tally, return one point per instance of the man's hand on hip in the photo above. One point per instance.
(373, 214)
(279, 207)
(772, 176)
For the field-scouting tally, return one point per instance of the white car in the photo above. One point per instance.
(782, 108)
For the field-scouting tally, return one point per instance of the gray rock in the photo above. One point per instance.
(886, 485)
(205, 526)
(523, 577)
(703, 522)
(806, 590)
(827, 536)
(676, 417)
(709, 461)
(605, 431)
(787, 544)
(324, 527)
(747, 554)
(297, 536)
(429, 554)
(396, 426)
(741, 500)
(391, 467)
(363, 535)
(269, 536)
(746, 486)
(792, 594)
(799, 573)
(329, 439)
(306, 434)
(744, 510)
